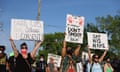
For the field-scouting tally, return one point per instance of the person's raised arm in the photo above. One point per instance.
(89, 55)
(102, 57)
(37, 45)
(77, 50)
(63, 53)
(14, 47)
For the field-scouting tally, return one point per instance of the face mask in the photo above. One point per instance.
(41, 59)
(24, 51)
(1, 51)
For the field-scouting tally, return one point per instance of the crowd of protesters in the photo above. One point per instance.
(22, 61)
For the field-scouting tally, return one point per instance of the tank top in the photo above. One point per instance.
(108, 69)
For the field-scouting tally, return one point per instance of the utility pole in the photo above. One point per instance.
(38, 15)
(1, 25)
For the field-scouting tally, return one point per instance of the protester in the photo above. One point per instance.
(115, 64)
(24, 59)
(67, 56)
(41, 64)
(51, 67)
(4, 67)
(94, 62)
(107, 66)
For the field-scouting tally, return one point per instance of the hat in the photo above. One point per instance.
(2, 47)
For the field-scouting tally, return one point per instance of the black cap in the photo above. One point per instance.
(2, 47)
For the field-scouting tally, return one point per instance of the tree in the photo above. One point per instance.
(111, 25)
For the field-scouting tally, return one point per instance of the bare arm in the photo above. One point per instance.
(102, 57)
(33, 52)
(105, 67)
(64, 48)
(63, 53)
(14, 47)
(89, 55)
(77, 50)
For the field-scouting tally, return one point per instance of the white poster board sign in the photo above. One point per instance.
(26, 29)
(97, 40)
(85, 56)
(56, 59)
(74, 29)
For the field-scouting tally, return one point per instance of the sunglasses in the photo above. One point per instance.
(24, 47)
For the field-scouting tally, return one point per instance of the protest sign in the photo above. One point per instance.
(74, 29)
(26, 29)
(56, 59)
(85, 56)
(97, 40)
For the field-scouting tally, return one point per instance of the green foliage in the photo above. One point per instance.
(111, 25)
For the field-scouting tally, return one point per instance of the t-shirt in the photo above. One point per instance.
(95, 68)
(12, 63)
(3, 61)
(23, 65)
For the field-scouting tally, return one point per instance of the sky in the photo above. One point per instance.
(52, 13)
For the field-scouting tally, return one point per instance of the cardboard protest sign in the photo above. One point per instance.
(26, 29)
(56, 59)
(97, 40)
(74, 29)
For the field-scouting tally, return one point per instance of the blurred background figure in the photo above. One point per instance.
(4, 67)
(51, 67)
(41, 64)
(107, 66)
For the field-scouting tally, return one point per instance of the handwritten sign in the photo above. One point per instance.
(97, 40)
(74, 29)
(26, 29)
(56, 59)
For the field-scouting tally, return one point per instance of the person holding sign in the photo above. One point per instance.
(94, 62)
(24, 59)
(69, 58)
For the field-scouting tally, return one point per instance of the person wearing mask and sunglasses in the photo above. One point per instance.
(23, 58)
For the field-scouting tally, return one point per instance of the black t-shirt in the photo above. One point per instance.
(12, 63)
(3, 61)
(23, 65)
